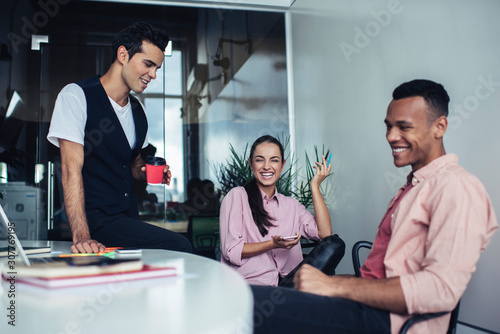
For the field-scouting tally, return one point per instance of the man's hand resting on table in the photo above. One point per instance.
(87, 245)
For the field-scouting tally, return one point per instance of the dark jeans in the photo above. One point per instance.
(120, 230)
(284, 310)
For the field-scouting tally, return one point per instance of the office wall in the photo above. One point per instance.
(348, 56)
(253, 103)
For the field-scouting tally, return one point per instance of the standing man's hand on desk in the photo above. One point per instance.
(87, 245)
(74, 198)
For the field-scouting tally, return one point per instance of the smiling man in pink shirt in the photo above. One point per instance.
(426, 247)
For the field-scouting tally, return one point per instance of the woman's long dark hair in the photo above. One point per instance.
(260, 216)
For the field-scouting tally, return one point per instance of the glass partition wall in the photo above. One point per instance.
(31, 191)
(241, 95)
(163, 103)
(60, 64)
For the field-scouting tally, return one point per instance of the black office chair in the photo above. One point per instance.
(203, 232)
(415, 318)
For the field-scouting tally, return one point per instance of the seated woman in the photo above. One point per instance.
(255, 219)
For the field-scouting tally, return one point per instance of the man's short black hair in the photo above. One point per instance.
(433, 93)
(133, 36)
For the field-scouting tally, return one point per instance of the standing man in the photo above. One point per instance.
(100, 129)
(426, 247)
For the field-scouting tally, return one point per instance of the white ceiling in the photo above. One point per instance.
(272, 5)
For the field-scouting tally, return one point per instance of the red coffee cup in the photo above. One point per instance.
(154, 169)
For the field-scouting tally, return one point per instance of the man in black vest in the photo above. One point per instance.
(101, 129)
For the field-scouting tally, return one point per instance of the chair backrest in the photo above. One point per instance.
(203, 232)
(416, 318)
(355, 255)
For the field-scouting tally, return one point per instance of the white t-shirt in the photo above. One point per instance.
(70, 116)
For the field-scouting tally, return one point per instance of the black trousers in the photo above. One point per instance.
(121, 230)
(285, 310)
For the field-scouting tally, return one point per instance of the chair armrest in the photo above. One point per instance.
(355, 255)
(308, 243)
(416, 318)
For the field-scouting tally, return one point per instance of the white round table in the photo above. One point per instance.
(206, 297)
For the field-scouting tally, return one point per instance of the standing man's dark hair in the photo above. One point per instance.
(133, 36)
(433, 93)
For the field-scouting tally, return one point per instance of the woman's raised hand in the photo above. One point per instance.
(322, 171)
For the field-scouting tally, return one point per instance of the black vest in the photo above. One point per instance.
(107, 178)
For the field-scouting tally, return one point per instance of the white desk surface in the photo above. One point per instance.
(208, 298)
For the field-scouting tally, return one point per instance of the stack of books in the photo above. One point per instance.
(65, 272)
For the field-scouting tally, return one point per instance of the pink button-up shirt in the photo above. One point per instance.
(237, 227)
(374, 264)
(439, 229)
